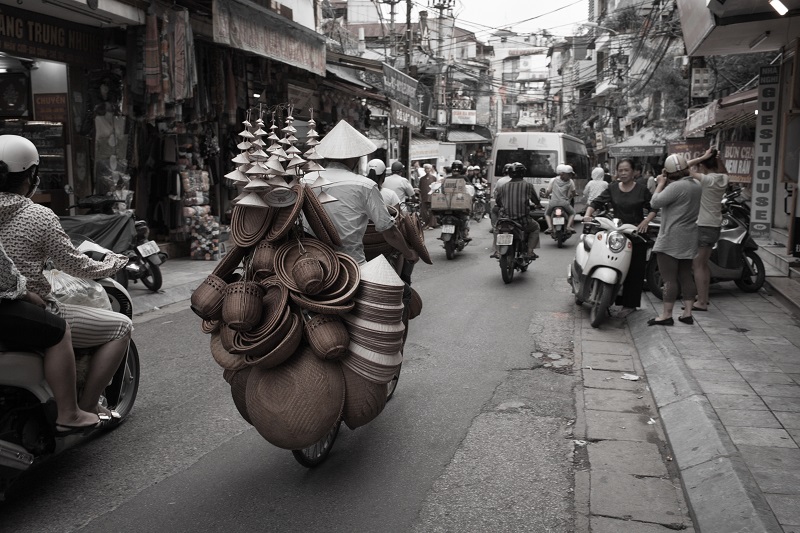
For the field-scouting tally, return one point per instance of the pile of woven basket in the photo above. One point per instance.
(305, 336)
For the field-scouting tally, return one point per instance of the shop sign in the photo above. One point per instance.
(27, 34)
(245, 26)
(50, 107)
(738, 159)
(701, 119)
(404, 116)
(690, 148)
(424, 149)
(764, 164)
(303, 100)
(636, 151)
(463, 116)
(399, 86)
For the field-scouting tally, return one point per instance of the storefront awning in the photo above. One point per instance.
(252, 28)
(462, 136)
(423, 148)
(644, 143)
(729, 112)
(355, 90)
(348, 75)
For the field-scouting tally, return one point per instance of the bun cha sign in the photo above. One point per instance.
(37, 36)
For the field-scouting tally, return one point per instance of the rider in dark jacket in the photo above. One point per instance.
(514, 198)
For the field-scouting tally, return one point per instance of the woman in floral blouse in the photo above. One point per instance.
(31, 235)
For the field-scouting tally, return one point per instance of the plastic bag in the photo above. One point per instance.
(76, 291)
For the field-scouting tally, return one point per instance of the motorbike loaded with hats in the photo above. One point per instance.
(28, 409)
(451, 203)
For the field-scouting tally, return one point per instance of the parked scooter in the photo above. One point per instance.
(119, 233)
(454, 226)
(601, 265)
(512, 245)
(480, 202)
(28, 410)
(733, 258)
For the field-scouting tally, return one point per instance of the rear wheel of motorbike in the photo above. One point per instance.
(507, 266)
(750, 282)
(152, 280)
(450, 248)
(654, 283)
(602, 294)
(478, 210)
(560, 238)
(121, 394)
(316, 454)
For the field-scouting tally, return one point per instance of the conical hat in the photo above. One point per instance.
(380, 272)
(344, 142)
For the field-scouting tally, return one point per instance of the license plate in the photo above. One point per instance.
(558, 221)
(148, 248)
(504, 239)
(448, 228)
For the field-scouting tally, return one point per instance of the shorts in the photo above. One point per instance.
(707, 236)
(567, 209)
(27, 325)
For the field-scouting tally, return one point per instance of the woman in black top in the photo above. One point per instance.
(630, 200)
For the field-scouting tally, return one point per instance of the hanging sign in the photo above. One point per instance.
(738, 159)
(404, 116)
(399, 86)
(764, 165)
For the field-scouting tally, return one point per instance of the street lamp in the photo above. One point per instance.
(595, 25)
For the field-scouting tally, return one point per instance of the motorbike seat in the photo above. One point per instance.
(18, 347)
(510, 221)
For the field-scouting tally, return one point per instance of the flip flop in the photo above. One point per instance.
(77, 430)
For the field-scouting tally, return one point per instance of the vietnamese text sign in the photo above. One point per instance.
(738, 159)
(399, 86)
(37, 36)
(690, 148)
(764, 164)
(463, 116)
(50, 107)
(404, 116)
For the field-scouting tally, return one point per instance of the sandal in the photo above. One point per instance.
(107, 414)
(67, 430)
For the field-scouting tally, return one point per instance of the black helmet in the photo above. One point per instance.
(457, 166)
(506, 169)
(397, 167)
(517, 170)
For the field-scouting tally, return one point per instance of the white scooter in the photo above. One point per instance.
(28, 410)
(601, 265)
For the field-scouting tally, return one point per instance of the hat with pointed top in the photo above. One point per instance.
(344, 142)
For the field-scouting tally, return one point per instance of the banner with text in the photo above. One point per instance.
(463, 116)
(764, 165)
(405, 116)
(399, 86)
(738, 159)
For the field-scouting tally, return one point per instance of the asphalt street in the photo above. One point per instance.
(476, 438)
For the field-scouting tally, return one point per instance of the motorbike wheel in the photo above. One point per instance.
(560, 238)
(152, 280)
(316, 454)
(450, 249)
(748, 282)
(654, 283)
(602, 294)
(507, 266)
(478, 210)
(125, 384)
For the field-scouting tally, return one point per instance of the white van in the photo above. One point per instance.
(540, 152)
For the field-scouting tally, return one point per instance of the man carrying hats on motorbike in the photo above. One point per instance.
(560, 191)
(514, 200)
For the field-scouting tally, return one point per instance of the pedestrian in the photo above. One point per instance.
(713, 176)
(629, 200)
(358, 199)
(32, 234)
(596, 186)
(428, 218)
(561, 191)
(678, 197)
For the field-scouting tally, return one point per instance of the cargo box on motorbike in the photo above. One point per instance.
(452, 196)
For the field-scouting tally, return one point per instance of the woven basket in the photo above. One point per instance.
(411, 228)
(230, 262)
(327, 336)
(276, 297)
(415, 306)
(363, 399)
(249, 225)
(308, 275)
(321, 307)
(292, 251)
(238, 384)
(264, 256)
(319, 220)
(372, 237)
(286, 347)
(207, 298)
(339, 294)
(295, 404)
(243, 305)
(210, 326)
(223, 357)
(286, 217)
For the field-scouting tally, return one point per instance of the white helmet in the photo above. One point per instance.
(377, 165)
(675, 163)
(18, 153)
(564, 169)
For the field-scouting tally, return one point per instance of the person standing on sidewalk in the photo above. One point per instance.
(425, 183)
(714, 177)
(678, 197)
(630, 200)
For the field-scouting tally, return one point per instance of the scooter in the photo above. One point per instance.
(512, 245)
(28, 410)
(559, 216)
(454, 225)
(122, 234)
(733, 258)
(601, 265)
(480, 202)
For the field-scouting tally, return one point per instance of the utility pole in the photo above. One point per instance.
(409, 37)
(439, 96)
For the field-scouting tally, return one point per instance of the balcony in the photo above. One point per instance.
(604, 87)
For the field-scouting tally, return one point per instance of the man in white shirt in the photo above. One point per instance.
(397, 183)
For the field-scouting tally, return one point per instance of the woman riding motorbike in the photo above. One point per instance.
(32, 234)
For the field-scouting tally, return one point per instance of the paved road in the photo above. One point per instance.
(476, 438)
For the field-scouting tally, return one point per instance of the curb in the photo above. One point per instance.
(786, 290)
(146, 303)
(721, 492)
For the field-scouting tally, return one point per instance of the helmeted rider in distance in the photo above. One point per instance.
(561, 191)
(514, 200)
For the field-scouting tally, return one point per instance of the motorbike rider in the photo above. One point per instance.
(457, 170)
(514, 199)
(376, 171)
(24, 322)
(495, 209)
(560, 191)
(31, 235)
(358, 198)
(398, 183)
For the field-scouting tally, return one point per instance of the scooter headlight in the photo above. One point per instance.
(616, 241)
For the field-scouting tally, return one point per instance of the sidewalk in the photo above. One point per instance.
(727, 391)
(181, 277)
